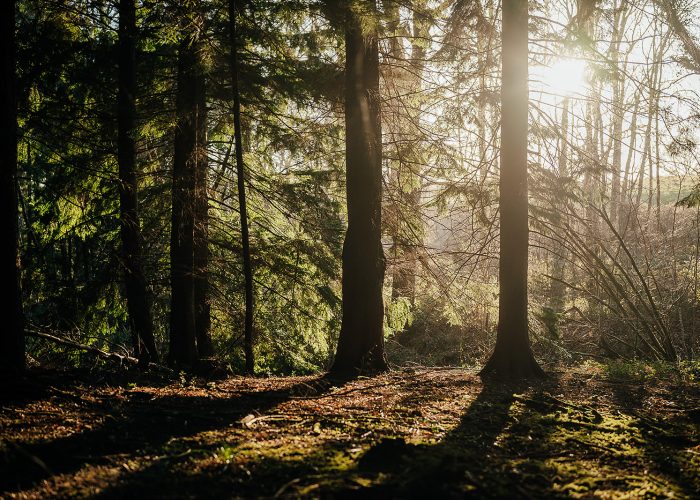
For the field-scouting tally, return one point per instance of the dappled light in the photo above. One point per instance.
(349, 249)
(440, 432)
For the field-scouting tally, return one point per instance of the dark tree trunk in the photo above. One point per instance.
(240, 176)
(512, 357)
(202, 308)
(12, 336)
(361, 342)
(135, 283)
(183, 349)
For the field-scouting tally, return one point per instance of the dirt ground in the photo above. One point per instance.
(417, 432)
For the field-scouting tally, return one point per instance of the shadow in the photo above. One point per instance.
(38, 384)
(536, 441)
(470, 461)
(513, 441)
(135, 425)
(461, 464)
(664, 437)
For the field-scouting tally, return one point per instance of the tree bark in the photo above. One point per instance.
(512, 357)
(132, 250)
(361, 342)
(183, 348)
(202, 309)
(625, 198)
(12, 336)
(652, 109)
(242, 204)
(618, 106)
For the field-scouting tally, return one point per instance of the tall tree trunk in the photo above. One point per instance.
(243, 207)
(404, 128)
(512, 357)
(484, 60)
(657, 109)
(396, 74)
(652, 109)
(132, 251)
(361, 342)
(557, 289)
(202, 309)
(183, 348)
(625, 197)
(645, 150)
(12, 337)
(618, 98)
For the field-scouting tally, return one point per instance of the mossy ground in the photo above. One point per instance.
(410, 433)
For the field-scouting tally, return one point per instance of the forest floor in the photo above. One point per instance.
(417, 432)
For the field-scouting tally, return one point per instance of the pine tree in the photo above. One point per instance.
(361, 342)
(132, 260)
(512, 357)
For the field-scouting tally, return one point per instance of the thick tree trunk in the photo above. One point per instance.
(512, 357)
(202, 309)
(242, 204)
(183, 349)
(134, 280)
(12, 336)
(361, 342)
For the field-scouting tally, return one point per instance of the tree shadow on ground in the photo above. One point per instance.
(40, 384)
(136, 426)
(538, 441)
(462, 463)
(519, 442)
(666, 442)
(473, 460)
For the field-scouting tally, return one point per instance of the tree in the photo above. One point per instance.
(403, 75)
(361, 341)
(190, 153)
(202, 309)
(512, 357)
(132, 261)
(242, 205)
(673, 17)
(618, 96)
(12, 340)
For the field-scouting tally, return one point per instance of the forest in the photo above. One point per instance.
(350, 248)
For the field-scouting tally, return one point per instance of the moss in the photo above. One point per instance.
(448, 436)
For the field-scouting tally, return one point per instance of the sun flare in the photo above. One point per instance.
(565, 76)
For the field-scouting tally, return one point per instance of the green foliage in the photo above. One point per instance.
(432, 339)
(641, 371)
(398, 316)
(440, 116)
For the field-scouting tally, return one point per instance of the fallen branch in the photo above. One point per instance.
(110, 356)
(83, 347)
